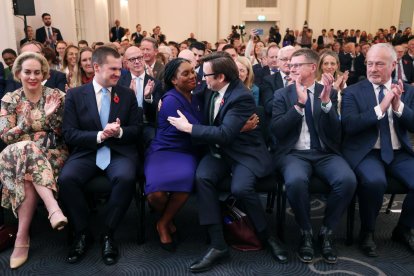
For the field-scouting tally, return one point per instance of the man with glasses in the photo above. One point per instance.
(306, 125)
(376, 118)
(243, 155)
(148, 90)
(278, 80)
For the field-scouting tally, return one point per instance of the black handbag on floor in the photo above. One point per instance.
(7, 236)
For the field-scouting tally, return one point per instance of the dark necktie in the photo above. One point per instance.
(212, 104)
(315, 144)
(49, 33)
(286, 81)
(387, 153)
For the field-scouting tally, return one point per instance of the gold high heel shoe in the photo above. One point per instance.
(59, 221)
(17, 262)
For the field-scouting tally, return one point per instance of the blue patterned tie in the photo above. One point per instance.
(139, 91)
(103, 156)
(387, 153)
(315, 144)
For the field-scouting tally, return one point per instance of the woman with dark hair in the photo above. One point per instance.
(85, 71)
(171, 160)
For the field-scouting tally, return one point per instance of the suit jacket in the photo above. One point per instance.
(360, 123)
(56, 80)
(345, 61)
(246, 148)
(114, 36)
(408, 68)
(2, 80)
(41, 35)
(286, 121)
(270, 84)
(360, 67)
(149, 109)
(81, 122)
(259, 73)
(320, 40)
(136, 37)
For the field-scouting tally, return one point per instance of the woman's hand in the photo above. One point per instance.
(52, 103)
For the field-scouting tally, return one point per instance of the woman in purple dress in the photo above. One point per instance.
(171, 160)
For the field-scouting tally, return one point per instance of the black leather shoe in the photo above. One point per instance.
(328, 250)
(404, 235)
(169, 246)
(277, 249)
(79, 247)
(306, 251)
(207, 262)
(109, 250)
(367, 244)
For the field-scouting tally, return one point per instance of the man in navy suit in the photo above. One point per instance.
(56, 79)
(48, 35)
(148, 91)
(117, 32)
(404, 68)
(306, 125)
(137, 36)
(101, 125)
(242, 154)
(376, 116)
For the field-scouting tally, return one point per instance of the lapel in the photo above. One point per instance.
(90, 101)
(114, 106)
(291, 95)
(278, 81)
(367, 94)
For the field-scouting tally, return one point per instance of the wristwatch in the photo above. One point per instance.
(301, 105)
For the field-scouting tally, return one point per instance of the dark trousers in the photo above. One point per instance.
(75, 175)
(297, 168)
(371, 173)
(210, 172)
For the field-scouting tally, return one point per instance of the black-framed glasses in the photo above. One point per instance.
(297, 65)
(212, 74)
(139, 58)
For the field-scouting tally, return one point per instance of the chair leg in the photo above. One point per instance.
(350, 222)
(281, 211)
(388, 210)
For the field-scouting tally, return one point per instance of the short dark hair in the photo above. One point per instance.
(100, 54)
(82, 41)
(222, 63)
(310, 55)
(45, 14)
(170, 72)
(228, 46)
(198, 45)
(9, 51)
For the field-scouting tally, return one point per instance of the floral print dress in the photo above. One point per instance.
(35, 152)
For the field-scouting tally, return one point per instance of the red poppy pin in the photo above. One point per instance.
(222, 102)
(116, 98)
(405, 61)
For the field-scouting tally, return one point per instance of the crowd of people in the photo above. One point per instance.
(339, 106)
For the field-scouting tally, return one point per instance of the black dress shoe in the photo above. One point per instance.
(328, 250)
(79, 247)
(207, 262)
(109, 250)
(306, 251)
(404, 235)
(169, 246)
(367, 244)
(277, 249)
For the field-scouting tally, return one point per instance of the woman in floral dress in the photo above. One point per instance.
(30, 123)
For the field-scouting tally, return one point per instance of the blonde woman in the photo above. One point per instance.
(246, 75)
(70, 65)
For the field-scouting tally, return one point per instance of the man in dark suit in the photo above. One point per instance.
(153, 67)
(276, 81)
(56, 79)
(101, 125)
(48, 35)
(148, 91)
(242, 154)
(360, 67)
(198, 48)
(322, 38)
(306, 125)
(347, 62)
(376, 142)
(117, 32)
(137, 36)
(404, 68)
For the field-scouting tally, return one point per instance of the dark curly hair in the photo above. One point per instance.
(170, 72)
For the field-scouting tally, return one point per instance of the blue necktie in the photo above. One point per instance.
(387, 153)
(103, 156)
(140, 96)
(49, 33)
(315, 144)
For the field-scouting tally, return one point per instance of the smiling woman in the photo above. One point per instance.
(31, 118)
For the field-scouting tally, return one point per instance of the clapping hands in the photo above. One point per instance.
(52, 103)
(111, 130)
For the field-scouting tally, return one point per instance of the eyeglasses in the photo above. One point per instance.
(297, 65)
(212, 74)
(139, 58)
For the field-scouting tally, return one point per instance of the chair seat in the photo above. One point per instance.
(395, 187)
